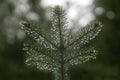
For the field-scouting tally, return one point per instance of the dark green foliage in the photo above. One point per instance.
(59, 49)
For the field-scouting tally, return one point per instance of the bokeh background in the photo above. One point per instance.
(79, 13)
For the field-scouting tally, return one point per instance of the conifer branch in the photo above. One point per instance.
(43, 62)
(78, 56)
(28, 26)
(61, 46)
(60, 32)
(57, 52)
(40, 51)
(79, 38)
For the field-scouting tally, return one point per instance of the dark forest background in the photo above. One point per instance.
(12, 58)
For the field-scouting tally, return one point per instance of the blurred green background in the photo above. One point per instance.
(12, 58)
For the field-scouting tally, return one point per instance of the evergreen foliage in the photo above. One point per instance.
(59, 49)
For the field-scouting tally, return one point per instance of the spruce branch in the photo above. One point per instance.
(93, 30)
(28, 47)
(83, 56)
(58, 50)
(31, 28)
